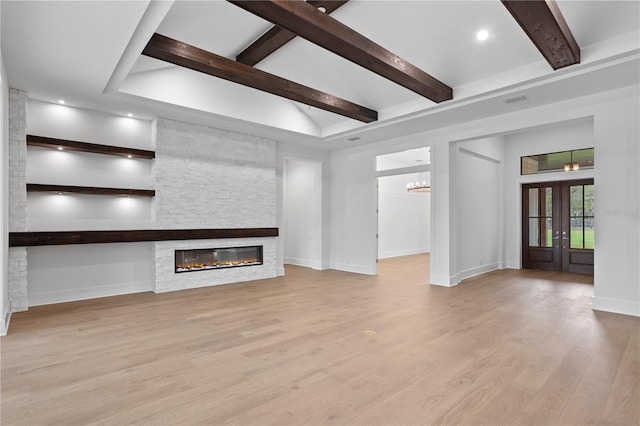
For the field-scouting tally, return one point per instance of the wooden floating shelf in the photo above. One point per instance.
(68, 145)
(36, 187)
(31, 239)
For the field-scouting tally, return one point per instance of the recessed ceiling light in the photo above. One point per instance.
(322, 9)
(129, 115)
(60, 148)
(512, 99)
(61, 101)
(482, 35)
(129, 156)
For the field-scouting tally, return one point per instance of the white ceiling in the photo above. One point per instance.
(89, 54)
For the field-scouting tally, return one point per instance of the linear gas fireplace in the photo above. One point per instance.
(217, 258)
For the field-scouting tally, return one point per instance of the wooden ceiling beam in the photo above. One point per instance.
(182, 54)
(319, 28)
(543, 22)
(276, 36)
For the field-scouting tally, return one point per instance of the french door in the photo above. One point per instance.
(558, 226)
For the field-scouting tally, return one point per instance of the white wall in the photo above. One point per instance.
(77, 272)
(617, 279)
(477, 168)
(4, 191)
(289, 151)
(403, 217)
(64, 273)
(64, 122)
(353, 211)
(615, 115)
(302, 213)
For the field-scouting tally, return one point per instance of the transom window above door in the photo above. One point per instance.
(557, 161)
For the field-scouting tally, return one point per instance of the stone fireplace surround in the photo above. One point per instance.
(167, 279)
(210, 178)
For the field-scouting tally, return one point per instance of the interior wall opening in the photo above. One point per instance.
(404, 205)
(302, 213)
(404, 216)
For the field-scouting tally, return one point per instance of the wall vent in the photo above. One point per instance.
(514, 99)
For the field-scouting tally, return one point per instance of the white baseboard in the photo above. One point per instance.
(478, 270)
(512, 264)
(617, 306)
(357, 269)
(450, 281)
(406, 252)
(71, 295)
(4, 323)
(443, 280)
(303, 262)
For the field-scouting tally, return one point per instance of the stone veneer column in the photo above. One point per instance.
(17, 267)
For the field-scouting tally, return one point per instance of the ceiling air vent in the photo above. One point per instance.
(353, 139)
(514, 99)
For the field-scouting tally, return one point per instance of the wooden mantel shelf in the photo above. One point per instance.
(68, 145)
(37, 187)
(31, 239)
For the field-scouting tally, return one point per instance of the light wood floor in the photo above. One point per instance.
(327, 347)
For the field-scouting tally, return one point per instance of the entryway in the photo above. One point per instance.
(403, 204)
(558, 226)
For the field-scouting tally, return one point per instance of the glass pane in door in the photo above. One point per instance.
(576, 198)
(548, 200)
(534, 236)
(548, 233)
(589, 217)
(589, 201)
(589, 233)
(534, 206)
(577, 233)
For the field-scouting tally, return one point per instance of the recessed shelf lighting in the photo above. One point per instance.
(129, 156)
(482, 35)
(61, 101)
(60, 148)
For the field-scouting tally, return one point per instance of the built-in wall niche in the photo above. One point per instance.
(217, 258)
(76, 185)
(52, 211)
(88, 168)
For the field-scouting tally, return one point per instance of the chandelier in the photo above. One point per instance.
(418, 186)
(571, 166)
